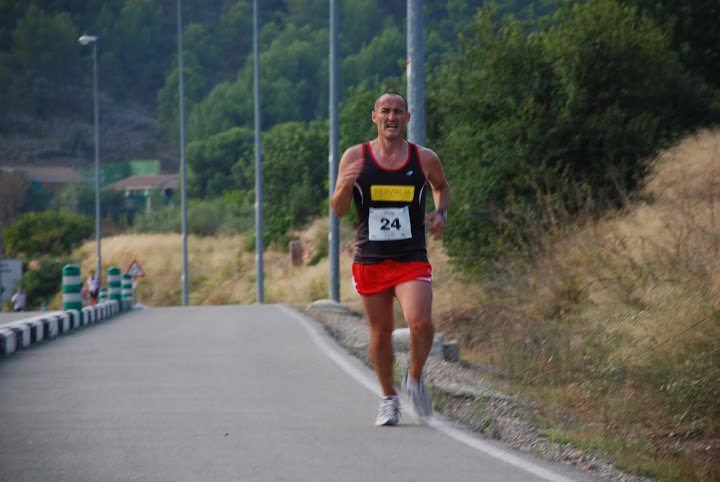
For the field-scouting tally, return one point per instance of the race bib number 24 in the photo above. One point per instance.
(389, 224)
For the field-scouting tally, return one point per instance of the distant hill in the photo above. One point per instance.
(65, 136)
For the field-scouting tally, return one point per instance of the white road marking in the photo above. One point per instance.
(451, 432)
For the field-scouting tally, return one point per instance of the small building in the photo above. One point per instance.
(138, 189)
(51, 178)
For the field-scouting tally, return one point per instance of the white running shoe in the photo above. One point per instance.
(419, 397)
(389, 411)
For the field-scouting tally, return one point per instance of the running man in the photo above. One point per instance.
(388, 179)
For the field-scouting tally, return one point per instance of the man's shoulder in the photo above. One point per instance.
(356, 148)
(425, 151)
(355, 153)
(427, 156)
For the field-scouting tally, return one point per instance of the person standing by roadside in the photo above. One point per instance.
(19, 300)
(93, 286)
(387, 178)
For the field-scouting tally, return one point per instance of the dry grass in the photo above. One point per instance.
(616, 330)
(223, 271)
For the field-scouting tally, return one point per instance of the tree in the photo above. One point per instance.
(169, 97)
(47, 233)
(295, 171)
(80, 199)
(382, 57)
(42, 282)
(212, 163)
(555, 120)
(294, 86)
(695, 35)
(141, 45)
(45, 50)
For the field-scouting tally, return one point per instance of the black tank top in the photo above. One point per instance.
(391, 210)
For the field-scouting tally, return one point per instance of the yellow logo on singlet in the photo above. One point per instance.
(392, 193)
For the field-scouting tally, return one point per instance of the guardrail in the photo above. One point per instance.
(22, 334)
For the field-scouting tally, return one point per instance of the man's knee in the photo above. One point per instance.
(421, 327)
(381, 333)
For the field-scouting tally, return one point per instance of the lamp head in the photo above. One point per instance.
(87, 39)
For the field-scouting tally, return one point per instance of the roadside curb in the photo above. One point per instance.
(21, 334)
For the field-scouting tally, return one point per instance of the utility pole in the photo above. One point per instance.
(334, 229)
(183, 168)
(416, 71)
(258, 164)
(85, 40)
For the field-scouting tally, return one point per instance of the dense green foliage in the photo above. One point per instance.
(221, 163)
(43, 281)
(80, 199)
(295, 171)
(695, 32)
(541, 123)
(46, 233)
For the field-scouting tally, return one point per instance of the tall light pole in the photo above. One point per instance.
(334, 228)
(183, 169)
(260, 278)
(84, 40)
(416, 71)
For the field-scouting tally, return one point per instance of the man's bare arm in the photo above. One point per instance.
(440, 190)
(350, 165)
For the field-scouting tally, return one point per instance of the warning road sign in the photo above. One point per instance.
(135, 270)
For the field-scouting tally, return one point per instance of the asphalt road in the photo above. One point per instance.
(224, 393)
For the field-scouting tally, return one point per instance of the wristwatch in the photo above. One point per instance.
(442, 213)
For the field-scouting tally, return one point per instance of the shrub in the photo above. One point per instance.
(543, 124)
(44, 281)
(47, 233)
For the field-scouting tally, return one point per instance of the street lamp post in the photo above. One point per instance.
(183, 167)
(84, 40)
(334, 229)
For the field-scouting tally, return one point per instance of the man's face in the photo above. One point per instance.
(390, 116)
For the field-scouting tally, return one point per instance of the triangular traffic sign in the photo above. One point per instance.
(135, 270)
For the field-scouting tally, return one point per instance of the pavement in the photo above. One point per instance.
(221, 393)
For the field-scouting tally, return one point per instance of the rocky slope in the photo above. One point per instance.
(64, 134)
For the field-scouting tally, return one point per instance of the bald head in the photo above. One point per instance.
(394, 94)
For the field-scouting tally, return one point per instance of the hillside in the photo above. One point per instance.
(65, 135)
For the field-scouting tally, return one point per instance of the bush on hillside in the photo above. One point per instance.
(47, 233)
(42, 282)
(542, 124)
(231, 214)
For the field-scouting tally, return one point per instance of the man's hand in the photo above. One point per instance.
(436, 221)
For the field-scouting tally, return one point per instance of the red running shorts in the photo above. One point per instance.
(369, 279)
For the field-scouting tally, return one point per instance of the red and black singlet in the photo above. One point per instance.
(391, 210)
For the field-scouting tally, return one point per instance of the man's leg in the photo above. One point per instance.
(415, 298)
(379, 310)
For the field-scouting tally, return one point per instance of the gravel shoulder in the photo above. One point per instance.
(463, 396)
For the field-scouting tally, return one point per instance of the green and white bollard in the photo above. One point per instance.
(72, 288)
(127, 288)
(103, 294)
(114, 289)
